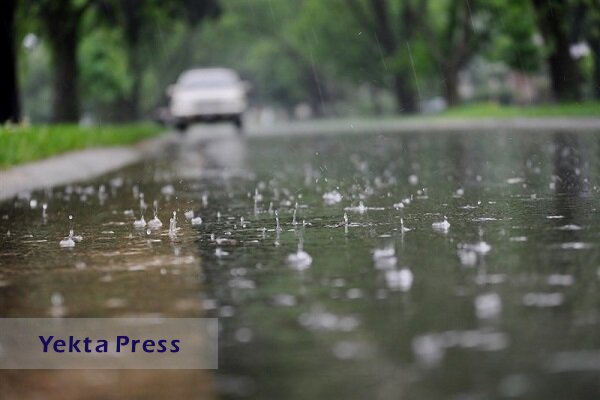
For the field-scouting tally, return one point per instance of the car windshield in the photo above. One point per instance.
(207, 79)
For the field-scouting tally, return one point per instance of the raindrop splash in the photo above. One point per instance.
(294, 216)
(332, 197)
(443, 226)
(402, 227)
(300, 260)
(70, 240)
(141, 223)
(400, 280)
(155, 223)
(173, 225)
(278, 227)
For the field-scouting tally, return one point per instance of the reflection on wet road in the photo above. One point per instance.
(438, 266)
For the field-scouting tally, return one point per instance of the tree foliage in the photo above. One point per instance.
(112, 59)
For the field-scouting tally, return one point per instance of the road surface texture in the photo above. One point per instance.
(438, 264)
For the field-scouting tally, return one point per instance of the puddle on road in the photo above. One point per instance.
(429, 266)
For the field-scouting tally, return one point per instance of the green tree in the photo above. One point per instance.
(265, 42)
(61, 23)
(137, 20)
(105, 76)
(591, 32)
(513, 36)
(389, 42)
(391, 27)
(343, 48)
(554, 22)
(455, 32)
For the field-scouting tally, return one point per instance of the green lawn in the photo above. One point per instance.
(493, 110)
(22, 144)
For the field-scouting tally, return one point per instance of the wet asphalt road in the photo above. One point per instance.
(502, 303)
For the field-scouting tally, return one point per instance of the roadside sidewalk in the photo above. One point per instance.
(425, 125)
(75, 166)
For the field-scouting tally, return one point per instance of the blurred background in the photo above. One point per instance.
(100, 61)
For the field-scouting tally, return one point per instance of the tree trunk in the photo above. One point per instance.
(564, 72)
(451, 87)
(405, 95)
(595, 46)
(130, 103)
(64, 42)
(592, 35)
(387, 39)
(315, 91)
(564, 75)
(9, 95)
(133, 100)
(133, 25)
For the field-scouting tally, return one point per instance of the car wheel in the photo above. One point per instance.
(181, 127)
(237, 121)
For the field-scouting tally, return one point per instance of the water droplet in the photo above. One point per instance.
(173, 225)
(56, 299)
(300, 260)
(399, 279)
(442, 226)
(488, 305)
(139, 223)
(244, 335)
(332, 197)
(543, 299)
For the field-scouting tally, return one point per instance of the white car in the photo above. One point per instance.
(207, 95)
